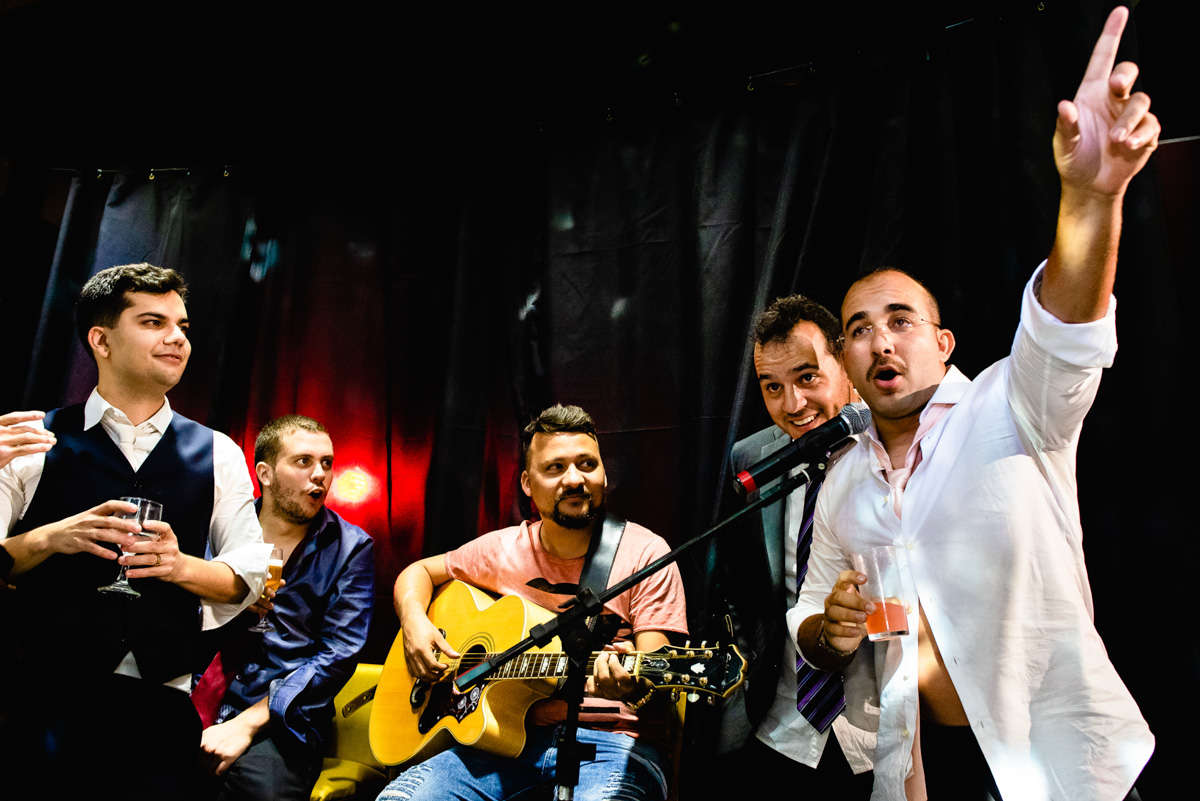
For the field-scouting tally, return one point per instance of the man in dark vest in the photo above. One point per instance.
(103, 677)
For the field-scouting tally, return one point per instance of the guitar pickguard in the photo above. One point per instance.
(444, 702)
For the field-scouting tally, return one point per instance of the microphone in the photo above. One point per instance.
(814, 445)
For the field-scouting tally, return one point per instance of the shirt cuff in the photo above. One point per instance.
(249, 562)
(1091, 344)
(799, 613)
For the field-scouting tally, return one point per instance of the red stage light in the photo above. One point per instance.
(353, 485)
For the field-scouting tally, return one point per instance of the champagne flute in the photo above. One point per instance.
(274, 579)
(146, 510)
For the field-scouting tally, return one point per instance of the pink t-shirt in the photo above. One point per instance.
(503, 561)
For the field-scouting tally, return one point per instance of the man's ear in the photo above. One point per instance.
(97, 337)
(264, 474)
(526, 487)
(946, 343)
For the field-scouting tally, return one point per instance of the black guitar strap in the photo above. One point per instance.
(602, 551)
(597, 562)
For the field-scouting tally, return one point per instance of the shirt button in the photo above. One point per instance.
(906, 733)
(910, 546)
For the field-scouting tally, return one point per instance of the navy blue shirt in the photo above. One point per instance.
(320, 620)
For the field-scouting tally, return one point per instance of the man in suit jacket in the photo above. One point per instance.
(797, 361)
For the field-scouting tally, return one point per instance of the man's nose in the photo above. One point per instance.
(881, 339)
(176, 334)
(319, 474)
(572, 476)
(794, 400)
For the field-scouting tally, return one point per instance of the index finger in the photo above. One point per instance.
(20, 417)
(1104, 54)
(157, 527)
(446, 648)
(849, 579)
(114, 507)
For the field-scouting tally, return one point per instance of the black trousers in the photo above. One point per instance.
(757, 768)
(116, 737)
(266, 773)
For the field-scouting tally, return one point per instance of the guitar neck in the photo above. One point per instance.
(546, 664)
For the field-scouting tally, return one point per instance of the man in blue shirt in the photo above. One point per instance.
(273, 725)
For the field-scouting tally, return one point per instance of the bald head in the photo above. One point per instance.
(929, 308)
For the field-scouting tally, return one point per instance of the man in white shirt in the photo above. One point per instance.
(814, 748)
(115, 667)
(1002, 685)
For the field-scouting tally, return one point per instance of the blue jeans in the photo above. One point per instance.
(624, 770)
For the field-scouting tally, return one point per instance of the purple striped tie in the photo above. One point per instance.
(819, 693)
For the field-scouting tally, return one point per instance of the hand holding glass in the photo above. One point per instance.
(146, 510)
(884, 588)
(274, 579)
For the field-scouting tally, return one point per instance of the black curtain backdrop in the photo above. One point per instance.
(425, 296)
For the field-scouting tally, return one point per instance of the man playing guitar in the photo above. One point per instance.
(565, 480)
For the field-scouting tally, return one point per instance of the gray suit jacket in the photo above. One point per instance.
(749, 586)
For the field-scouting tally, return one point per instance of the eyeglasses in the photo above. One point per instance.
(898, 325)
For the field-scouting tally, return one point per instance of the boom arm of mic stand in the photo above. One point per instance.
(588, 604)
(570, 626)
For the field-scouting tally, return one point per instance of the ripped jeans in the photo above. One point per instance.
(624, 770)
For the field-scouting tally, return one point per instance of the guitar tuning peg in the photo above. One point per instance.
(674, 696)
(711, 699)
(704, 643)
(693, 697)
(687, 644)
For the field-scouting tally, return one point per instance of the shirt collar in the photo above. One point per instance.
(949, 392)
(96, 406)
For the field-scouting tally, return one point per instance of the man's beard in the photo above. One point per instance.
(579, 521)
(292, 511)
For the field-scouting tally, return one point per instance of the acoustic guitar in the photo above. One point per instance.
(414, 719)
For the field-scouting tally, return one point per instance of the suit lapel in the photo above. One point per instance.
(772, 523)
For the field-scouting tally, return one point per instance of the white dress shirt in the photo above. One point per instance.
(783, 729)
(234, 534)
(991, 528)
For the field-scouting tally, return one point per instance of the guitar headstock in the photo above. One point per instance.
(715, 670)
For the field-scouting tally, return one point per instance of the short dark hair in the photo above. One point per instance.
(104, 296)
(268, 443)
(558, 419)
(784, 314)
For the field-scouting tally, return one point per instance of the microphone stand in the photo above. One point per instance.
(580, 633)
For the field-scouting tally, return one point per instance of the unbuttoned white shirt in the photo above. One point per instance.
(234, 534)
(990, 529)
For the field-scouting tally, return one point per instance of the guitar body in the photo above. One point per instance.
(407, 725)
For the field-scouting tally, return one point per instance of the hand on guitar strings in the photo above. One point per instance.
(611, 680)
(423, 644)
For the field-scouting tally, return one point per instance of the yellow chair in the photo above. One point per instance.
(350, 765)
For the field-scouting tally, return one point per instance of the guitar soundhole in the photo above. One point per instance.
(446, 701)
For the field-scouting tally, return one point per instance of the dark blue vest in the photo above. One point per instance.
(65, 622)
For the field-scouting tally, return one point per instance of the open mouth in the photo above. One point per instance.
(803, 421)
(886, 374)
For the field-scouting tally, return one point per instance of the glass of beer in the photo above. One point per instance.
(274, 579)
(146, 510)
(883, 566)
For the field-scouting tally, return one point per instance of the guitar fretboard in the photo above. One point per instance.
(542, 665)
